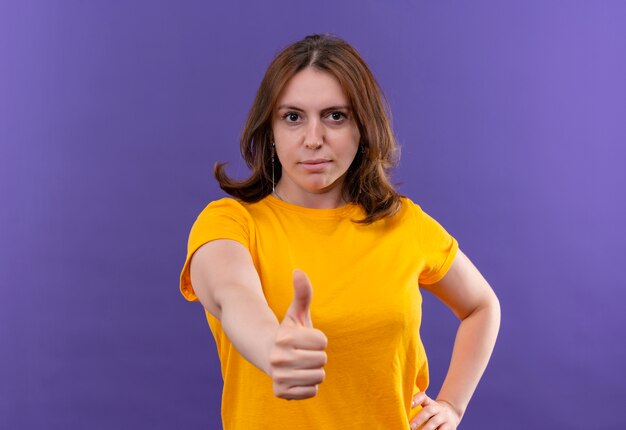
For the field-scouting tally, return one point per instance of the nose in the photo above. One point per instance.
(314, 137)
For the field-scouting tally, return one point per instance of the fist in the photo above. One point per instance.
(298, 355)
(435, 414)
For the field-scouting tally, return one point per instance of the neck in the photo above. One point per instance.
(330, 199)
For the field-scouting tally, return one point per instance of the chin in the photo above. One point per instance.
(319, 184)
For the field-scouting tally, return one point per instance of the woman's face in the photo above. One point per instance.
(315, 134)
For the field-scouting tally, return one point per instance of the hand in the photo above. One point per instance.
(298, 354)
(435, 414)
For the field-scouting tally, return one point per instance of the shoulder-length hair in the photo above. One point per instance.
(367, 182)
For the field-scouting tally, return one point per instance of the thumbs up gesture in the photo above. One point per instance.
(298, 354)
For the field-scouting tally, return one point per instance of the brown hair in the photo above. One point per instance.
(367, 181)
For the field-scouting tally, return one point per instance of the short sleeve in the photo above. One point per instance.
(221, 219)
(438, 247)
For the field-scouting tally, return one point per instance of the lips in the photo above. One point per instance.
(316, 165)
(316, 161)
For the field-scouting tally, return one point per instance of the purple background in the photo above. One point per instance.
(512, 118)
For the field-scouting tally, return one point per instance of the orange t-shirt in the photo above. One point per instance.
(366, 299)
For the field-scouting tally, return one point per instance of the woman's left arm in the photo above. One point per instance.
(464, 290)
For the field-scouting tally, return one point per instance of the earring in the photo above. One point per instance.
(273, 185)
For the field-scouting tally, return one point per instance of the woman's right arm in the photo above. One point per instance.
(228, 286)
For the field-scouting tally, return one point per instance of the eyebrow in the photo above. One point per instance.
(295, 108)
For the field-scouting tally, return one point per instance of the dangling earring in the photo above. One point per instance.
(273, 185)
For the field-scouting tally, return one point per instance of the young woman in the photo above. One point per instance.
(310, 276)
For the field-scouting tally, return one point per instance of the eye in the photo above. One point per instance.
(337, 116)
(291, 117)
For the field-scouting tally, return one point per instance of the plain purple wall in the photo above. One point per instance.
(512, 119)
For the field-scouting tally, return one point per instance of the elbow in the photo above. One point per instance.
(493, 309)
(488, 308)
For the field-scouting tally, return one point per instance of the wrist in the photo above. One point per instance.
(268, 347)
(455, 409)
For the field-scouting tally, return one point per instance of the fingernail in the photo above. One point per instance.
(413, 426)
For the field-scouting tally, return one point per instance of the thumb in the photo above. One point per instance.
(299, 311)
